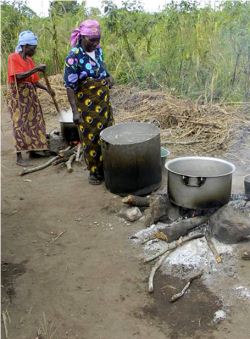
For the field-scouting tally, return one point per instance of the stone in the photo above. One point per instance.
(130, 213)
(231, 223)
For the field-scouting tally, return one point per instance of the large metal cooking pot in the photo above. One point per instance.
(131, 158)
(199, 182)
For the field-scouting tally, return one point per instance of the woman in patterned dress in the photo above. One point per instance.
(23, 103)
(87, 82)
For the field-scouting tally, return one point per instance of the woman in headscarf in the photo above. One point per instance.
(26, 113)
(87, 82)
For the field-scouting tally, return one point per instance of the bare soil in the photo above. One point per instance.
(90, 282)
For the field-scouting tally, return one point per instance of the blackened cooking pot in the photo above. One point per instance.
(69, 131)
(131, 158)
(199, 182)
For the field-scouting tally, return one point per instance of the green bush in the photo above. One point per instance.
(195, 52)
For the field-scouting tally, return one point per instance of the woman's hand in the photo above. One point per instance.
(77, 118)
(110, 81)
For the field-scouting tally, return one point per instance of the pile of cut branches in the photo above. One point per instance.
(64, 158)
(187, 127)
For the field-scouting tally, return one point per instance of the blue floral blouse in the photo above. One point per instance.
(79, 66)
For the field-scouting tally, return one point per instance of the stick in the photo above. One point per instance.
(69, 163)
(213, 249)
(38, 168)
(174, 245)
(78, 152)
(50, 90)
(182, 292)
(62, 152)
(59, 235)
(5, 325)
(59, 161)
(153, 271)
(180, 142)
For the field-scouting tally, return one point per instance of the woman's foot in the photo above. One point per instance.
(21, 162)
(94, 180)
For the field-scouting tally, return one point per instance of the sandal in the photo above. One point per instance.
(94, 180)
(24, 163)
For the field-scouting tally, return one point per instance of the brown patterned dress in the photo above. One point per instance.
(27, 117)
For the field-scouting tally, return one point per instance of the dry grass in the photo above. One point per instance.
(186, 127)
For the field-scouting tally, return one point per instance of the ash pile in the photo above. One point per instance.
(195, 244)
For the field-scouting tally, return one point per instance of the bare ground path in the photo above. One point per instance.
(89, 283)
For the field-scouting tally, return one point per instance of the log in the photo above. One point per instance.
(38, 168)
(69, 163)
(177, 229)
(159, 206)
(135, 200)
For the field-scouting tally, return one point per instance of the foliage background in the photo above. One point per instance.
(201, 53)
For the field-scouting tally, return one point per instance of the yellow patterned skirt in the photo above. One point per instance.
(94, 105)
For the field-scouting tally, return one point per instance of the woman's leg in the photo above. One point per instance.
(20, 161)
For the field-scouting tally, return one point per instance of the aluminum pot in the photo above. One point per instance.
(199, 182)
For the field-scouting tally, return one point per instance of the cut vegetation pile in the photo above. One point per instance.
(186, 127)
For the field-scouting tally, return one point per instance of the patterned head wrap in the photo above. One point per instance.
(90, 28)
(26, 38)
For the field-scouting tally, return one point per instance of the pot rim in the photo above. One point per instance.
(200, 158)
(155, 133)
(247, 178)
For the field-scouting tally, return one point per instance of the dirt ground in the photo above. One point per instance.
(90, 283)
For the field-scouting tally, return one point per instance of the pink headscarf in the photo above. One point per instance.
(89, 28)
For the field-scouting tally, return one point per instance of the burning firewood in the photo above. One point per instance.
(177, 229)
(135, 200)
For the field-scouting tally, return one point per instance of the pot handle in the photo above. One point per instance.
(193, 182)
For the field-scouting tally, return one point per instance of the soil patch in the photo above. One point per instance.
(9, 273)
(188, 316)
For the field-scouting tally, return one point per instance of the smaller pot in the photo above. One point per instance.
(247, 186)
(69, 131)
(164, 155)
